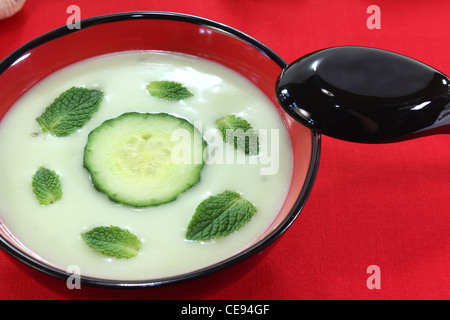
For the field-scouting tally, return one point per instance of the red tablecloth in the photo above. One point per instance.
(372, 205)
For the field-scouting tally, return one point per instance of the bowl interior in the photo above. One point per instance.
(166, 32)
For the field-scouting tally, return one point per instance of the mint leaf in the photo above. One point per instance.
(239, 132)
(70, 111)
(112, 241)
(168, 90)
(46, 186)
(219, 215)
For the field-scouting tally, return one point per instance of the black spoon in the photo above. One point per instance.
(367, 95)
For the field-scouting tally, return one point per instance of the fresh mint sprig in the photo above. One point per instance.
(70, 111)
(46, 186)
(112, 241)
(168, 90)
(239, 132)
(219, 216)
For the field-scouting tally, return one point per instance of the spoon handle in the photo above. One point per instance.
(440, 126)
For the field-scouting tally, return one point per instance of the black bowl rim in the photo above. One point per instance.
(282, 227)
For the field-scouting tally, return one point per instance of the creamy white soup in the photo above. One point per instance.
(53, 232)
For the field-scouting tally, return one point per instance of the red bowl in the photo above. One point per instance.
(163, 31)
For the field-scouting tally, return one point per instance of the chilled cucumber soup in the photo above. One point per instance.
(53, 231)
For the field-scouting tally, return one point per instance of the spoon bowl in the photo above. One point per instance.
(367, 95)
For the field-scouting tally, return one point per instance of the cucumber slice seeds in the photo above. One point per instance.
(131, 158)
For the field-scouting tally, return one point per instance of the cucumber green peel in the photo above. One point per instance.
(131, 158)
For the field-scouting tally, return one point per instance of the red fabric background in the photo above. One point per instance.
(385, 205)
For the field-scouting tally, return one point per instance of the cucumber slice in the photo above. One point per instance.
(144, 159)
